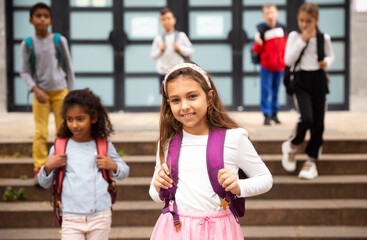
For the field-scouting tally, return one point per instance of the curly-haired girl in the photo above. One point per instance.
(86, 202)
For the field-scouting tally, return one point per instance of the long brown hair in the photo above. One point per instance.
(310, 8)
(217, 117)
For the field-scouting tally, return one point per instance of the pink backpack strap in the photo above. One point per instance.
(102, 148)
(169, 194)
(215, 162)
(214, 158)
(60, 147)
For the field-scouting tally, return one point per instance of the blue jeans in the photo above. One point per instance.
(270, 82)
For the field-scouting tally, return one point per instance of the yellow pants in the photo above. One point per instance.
(41, 111)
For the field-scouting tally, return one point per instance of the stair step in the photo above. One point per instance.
(328, 164)
(140, 165)
(347, 212)
(143, 165)
(250, 233)
(263, 145)
(129, 146)
(284, 187)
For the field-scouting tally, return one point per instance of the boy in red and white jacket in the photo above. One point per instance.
(269, 43)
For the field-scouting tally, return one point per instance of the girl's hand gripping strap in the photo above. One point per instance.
(169, 194)
(102, 148)
(214, 162)
(60, 147)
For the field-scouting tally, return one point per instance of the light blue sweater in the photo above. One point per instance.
(84, 190)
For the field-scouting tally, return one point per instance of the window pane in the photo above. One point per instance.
(142, 92)
(251, 18)
(262, 2)
(224, 88)
(142, 25)
(207, 56)
(21, 92)
(22, 28)
(101, 86)
(210, 25)
(339, 53)
(17, 3)
(247, 65)
(195, 3)
(326, 1)
(91, 3)
(92, 58)
(332, 21)
(137, 59)
(251, 92)
(87, 25)
(336, 88)
(144, 3)
(16, 59)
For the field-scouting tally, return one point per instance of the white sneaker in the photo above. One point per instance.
(308, 171)
(288, 159)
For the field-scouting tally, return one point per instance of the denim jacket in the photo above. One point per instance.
(84, 190)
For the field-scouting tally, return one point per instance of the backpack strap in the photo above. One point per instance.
(58, 46)
(102, 147)
(60, 147)
(30, 47)
(101, 144)
(214, 158)
(215, 162)
(169, 194)
(320, 46)
(177, 33)
(163, 38)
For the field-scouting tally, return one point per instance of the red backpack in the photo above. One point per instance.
(214, 162)
(60, 147)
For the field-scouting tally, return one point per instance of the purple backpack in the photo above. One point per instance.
(214, 162)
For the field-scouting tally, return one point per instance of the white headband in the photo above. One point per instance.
(194, 67)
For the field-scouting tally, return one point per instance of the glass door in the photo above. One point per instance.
(91, 22)
(141, 23)
(209, 26)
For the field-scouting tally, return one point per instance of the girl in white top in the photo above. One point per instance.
(310, 89)
(191, 103)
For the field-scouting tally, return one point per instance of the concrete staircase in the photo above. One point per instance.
(332, 206)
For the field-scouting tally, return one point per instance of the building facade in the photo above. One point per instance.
(110, 43)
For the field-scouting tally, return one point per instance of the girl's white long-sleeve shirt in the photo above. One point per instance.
(308, 61)
(194, 190)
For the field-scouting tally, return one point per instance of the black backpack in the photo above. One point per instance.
(255, 58)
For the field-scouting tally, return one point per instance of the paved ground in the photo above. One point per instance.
(338, 124)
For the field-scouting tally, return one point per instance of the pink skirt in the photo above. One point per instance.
(219, 225)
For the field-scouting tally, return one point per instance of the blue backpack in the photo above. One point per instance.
(214, 161)
(30, 47)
